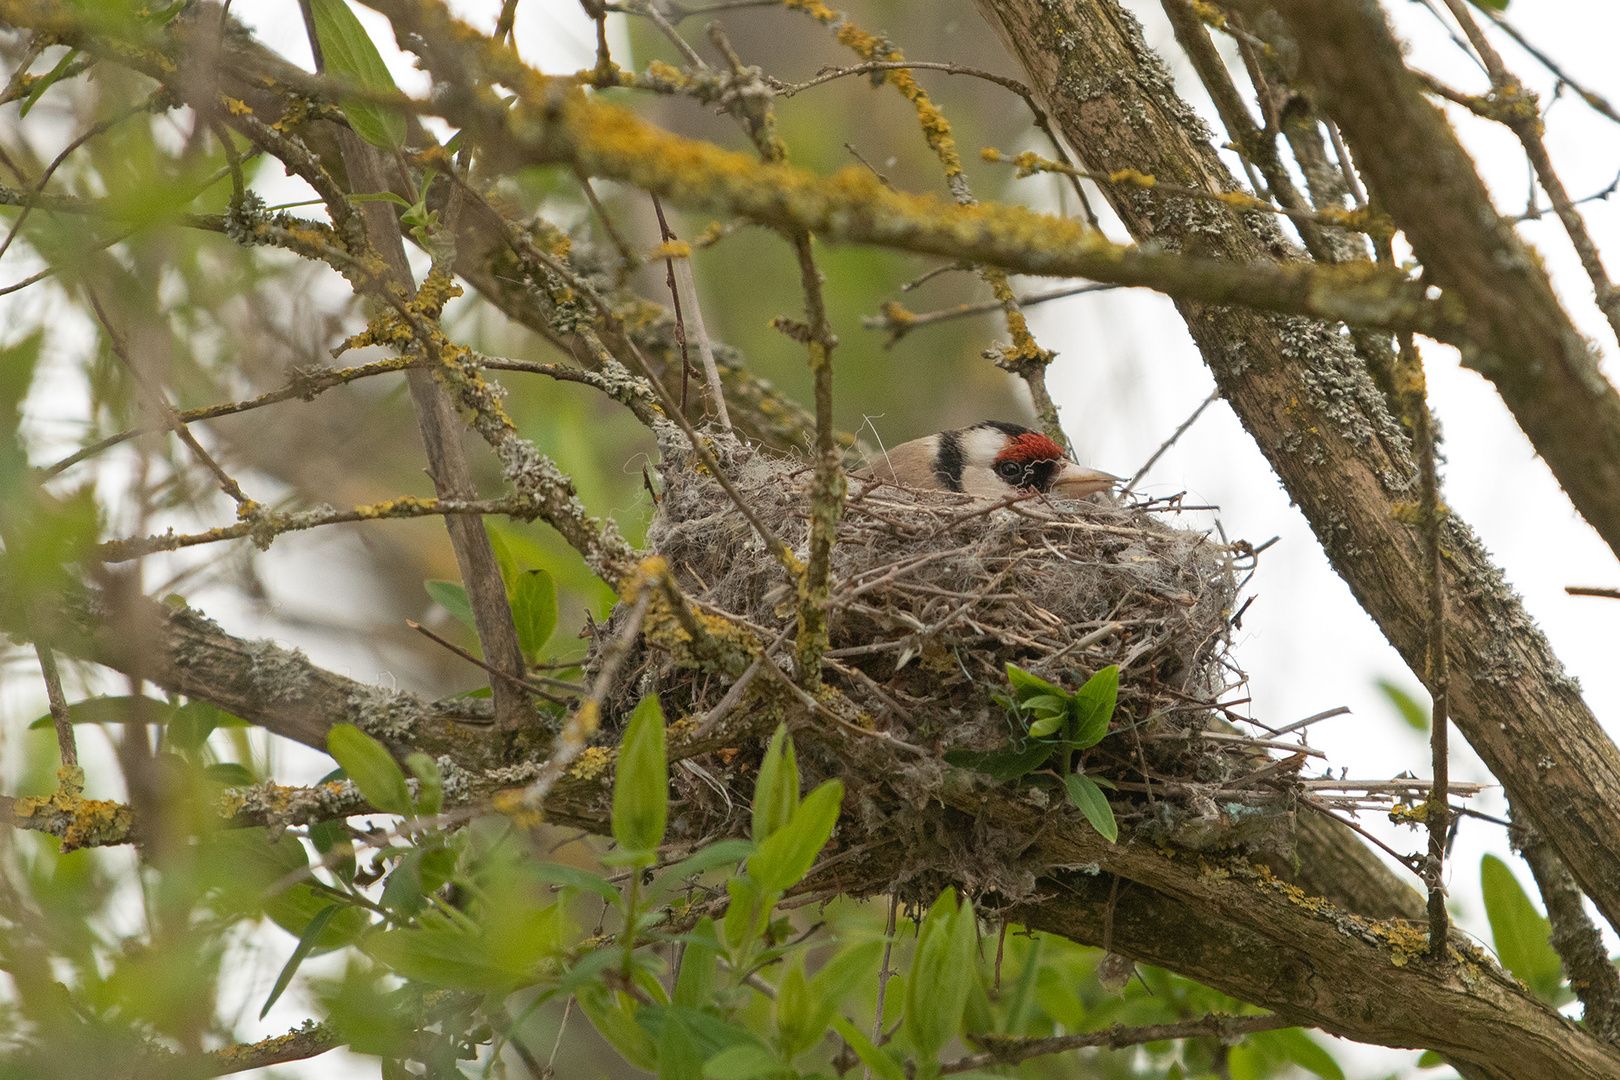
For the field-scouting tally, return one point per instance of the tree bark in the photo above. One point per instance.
(1313, 411)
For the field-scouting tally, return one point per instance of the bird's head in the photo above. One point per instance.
(991, 460)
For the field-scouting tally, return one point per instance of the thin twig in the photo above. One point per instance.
(520, 683)
(883, 975)
(574, 736)
(60, 716)
(830, 486)
(1588, 590)
(1594, 99)
(1005, 1051)
(171, 419)
(649, 10)
(1309, 720)
(1171, 441)
(734, 694)
(900, 322)
(666, 234)
(39, 188)
(1516, 109)
(626, 252)
(267, 525)
(303, 385)
(1414, 403)
(1405, 860)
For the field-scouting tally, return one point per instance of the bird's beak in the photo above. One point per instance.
(1074, 482)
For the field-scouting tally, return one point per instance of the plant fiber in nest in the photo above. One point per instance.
(933, 595)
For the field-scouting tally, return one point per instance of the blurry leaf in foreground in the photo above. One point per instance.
(452, 596)
(641, 788)
(1415, 713)
(351, 57)
(371, 767)
(1520, 932)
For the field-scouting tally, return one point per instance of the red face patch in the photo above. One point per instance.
(1031, 447)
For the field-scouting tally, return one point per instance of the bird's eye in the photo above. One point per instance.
(1010, 470)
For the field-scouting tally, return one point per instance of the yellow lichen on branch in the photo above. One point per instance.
(78, 821)
(936, 129)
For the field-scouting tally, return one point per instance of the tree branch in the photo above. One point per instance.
(1521, 338)
(1004, 1051)
(1324, 427)
(560, 127)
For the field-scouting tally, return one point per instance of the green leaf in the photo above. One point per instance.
(942, 970)
(1047, 704)
(1040, 729)
(430, 783)
(1496, 6)
(575, 878)
(787, 854)
(230, 774)
(438, 956)
(716, 855)
(191, 724)
(47, 81)
(1414, 712)
(351, 57)
(742, 1062)
(1520, 932)
(881, 1064)
(839, 977)
(695, 983)
(306, 944)
(792, 1012)
(1007, 763)
(1292, 1044)
(112, 710)
(453, 598)
(327, 836)
(742, 919)
(1088, 797)
(371, 767)
(776, 792)
(618, 1025)
(1094, 707)
(1430, 1059)
(380, 196)
(641, 786)
(504, 558)
(534, 610)
(1026, 685)
(404, 891)
(678, 1059)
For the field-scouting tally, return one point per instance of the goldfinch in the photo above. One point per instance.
(991, 459)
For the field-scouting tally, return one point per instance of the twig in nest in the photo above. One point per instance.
(1309, 720)
(821, 710)
(729, 702)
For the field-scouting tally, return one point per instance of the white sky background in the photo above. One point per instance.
(1126, 376)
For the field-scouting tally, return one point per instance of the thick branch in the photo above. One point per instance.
(441, 438)
(1238, 929)
(1523, 340)
(557, 125)
(1325, 429)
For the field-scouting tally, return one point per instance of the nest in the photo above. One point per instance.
(935, 593)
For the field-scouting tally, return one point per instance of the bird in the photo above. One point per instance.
(991, 459)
